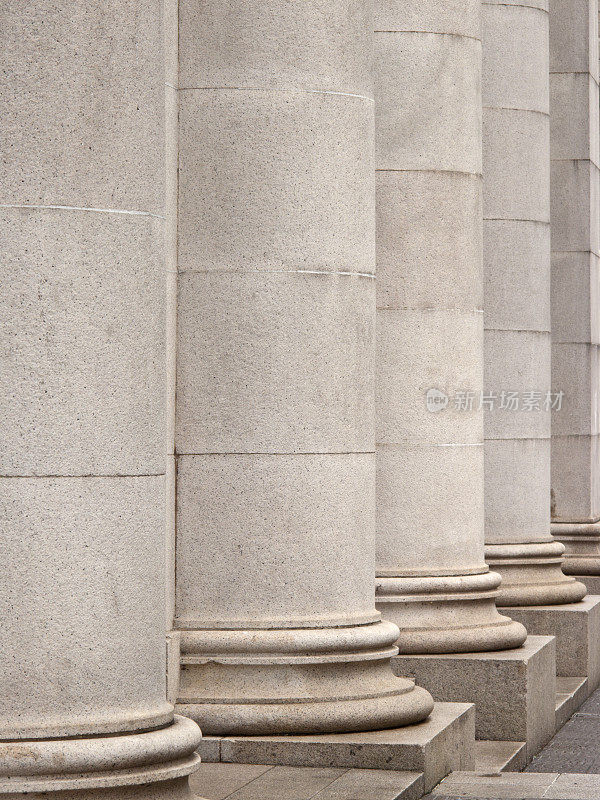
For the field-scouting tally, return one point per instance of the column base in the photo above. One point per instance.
(532, 575)
(514, 691)
(582, 546)
(264, 682)
(125, 767)
(576, 627)
(447, 614)
(435, 747)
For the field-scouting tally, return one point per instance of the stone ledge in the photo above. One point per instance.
(442, 743)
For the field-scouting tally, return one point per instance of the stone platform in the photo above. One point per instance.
(513, 690)
(576, 627)
(444, 742)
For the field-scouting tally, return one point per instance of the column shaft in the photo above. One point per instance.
(432, 580)
(516, 237)
(274, 419)
(575, 215)
(82, 650)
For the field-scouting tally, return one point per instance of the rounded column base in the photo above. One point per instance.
(301, 681)
(582, 546)
(532, 574)
(152, 765)
(447, 614)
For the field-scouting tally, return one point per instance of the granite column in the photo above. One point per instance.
(82, 641)
(432, 579)
(516, 247)
(275, 393)
(575, 239)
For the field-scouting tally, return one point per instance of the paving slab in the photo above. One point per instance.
(574, 787)
(218, 781)
(374, 784)
(574, 749)
(265, 782)
(515, 786)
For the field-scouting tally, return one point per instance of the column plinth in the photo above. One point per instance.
(447, 614)
(532, 574)
(581, 541)
(296, 681)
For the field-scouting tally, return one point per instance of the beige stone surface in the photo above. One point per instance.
(82, 121)
(321, 507)
(503, 57)
(256, 171)
(428, 114)
(276, 45)
(95, 538)
(516, 255)
(428, 223)
(431, 579)
(516, 165)
(576, 495)
(513, 690)
(82, 312)
(273, 363)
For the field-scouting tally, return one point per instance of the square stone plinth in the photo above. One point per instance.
(577, 630)
(513, 690)
(442, 743)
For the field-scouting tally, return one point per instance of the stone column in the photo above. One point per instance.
(516, 247)
(575, 213)
(275, 395)
(82, 648)
(432, 579)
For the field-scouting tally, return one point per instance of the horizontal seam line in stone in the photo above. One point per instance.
(283, 453)
(572, 72)
(522, 110)
(83, 208)
(566, 160)
(274, 89)
(518, 330)
(431, 33)
(520, 438)
(516, 219)
(87, 475)
(575, 435)
(517, 5)
(276, 272)
(588, 251)
(435, 171)
(425, 443)
(431, 308)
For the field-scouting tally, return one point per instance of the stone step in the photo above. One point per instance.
(494, 756)
(266, 782)
(570, 694)
(443, 742)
